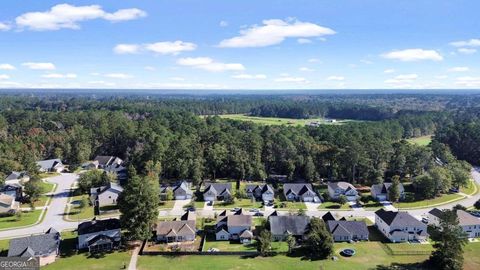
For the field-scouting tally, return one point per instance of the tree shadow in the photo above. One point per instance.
(404, 266)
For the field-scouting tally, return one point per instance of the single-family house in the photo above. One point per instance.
(14, 189)
(178, 230)
(217, 191)
(328, 216)
(337, 189)
(469, 223)
(112, 164)
(181, 191)
(234, 226)
(346, 230)
(105, 195)
(282, 226)
(300, 192)
(400, 226)
(51, 165)
(262, 192)
(380, 191)
(8, 205)
(90, 165)
(43, 247)
(17, 178)
(99, 235)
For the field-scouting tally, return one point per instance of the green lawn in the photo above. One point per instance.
(42, 200)
(47, 175)
(422, 140)
(372, 205)
(471, 255)
(280, 121)
(409, 248)
(76, 213)
(227, 246)
(471, 189)
(28, 218)
(166, 205)
(241, 203)
(290, 205)
(333, 206)
(418, 204)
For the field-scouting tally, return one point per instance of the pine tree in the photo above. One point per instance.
(394, 190)
(319, 240)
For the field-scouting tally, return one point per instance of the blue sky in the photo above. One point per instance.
(288, 44)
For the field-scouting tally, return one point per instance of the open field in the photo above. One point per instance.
(28, 218)
(281, 121)
(425, 203)
(423, 140)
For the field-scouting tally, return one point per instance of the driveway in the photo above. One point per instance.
(55, 211)
(177, 209)
(312, 206)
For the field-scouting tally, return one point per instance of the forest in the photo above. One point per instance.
(169, 131)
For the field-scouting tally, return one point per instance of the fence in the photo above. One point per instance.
(200, 252)
(391, 251)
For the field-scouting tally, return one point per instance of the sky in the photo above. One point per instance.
(247, 44)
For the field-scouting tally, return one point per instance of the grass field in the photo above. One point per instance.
(281, 121)
(333, 206)
(471, 189)
(28, 218)
(439, 200)
(242, 203)
(77, 213)
(289, 205)
(166, 205)
(423, 140)
(42, 200)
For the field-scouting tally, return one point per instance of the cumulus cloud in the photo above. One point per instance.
(458, 69)
(4, 77)
(39, 66)
(60, 76)
(273, 32)
(164, 47)
(410, 55)
(466, 50)
(69, 16)
(250, 76)
(6, 67)
(118, 75)
(4, 26)
(474, 42)
(335, 78)
(467, 81)
(207, 63)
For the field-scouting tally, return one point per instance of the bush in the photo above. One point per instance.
(477, 204)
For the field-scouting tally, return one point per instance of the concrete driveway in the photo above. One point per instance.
(55, 211)
(177, 209)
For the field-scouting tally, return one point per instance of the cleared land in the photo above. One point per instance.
(423, 140)
(282, 121)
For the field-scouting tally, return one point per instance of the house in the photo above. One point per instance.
(344, 230)
(90, 165)
(43, 247)
(17, 178)
(234, 226)
(380, 191)
(337, 189)
(263, 192)
(400, 226)
(282, 226)
(105, 195)
(99, 235)
(300, 192)
(112, 164)
(328, 216)
(181, 191)
(469, 223)
(177, 230)
(8, 205)
(15, 190)
(217, 191)
(51, 165)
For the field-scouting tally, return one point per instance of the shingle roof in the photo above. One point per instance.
(347, 227)
(218, 188)
(298, 189)
(104, 160)
(400, 219)
(436, 212)
(176, 227)
(246, 234)
(296, 225)
(328, 216)
(6, 200)
(263, 188)
(182, 189)
(239, 220)
(343, 185)
(189, 215)
(383, 188)
(39, 245)
(465, 218)
(49, 163)
(98, 226)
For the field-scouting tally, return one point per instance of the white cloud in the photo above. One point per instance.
(291, 79)
(458, 69)
(304, 41)
(410, 55)
(313, 60)
(209, 64)
(118, 75)
(390, 70)
(474, 42)
(149, 68)
(4, 77)
(60, 76)
(223, 23)
(471, 82)
(306, 69)
(39, 66)
(6, 67)
(164, 47)
(250, 76)
(335, 78)
(102, 83)
(4, 26)
(403, 80)
(69, 16)
(177, 78)
(466, 50)
(273, 32)
(126, 48)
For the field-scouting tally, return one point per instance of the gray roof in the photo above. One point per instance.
(49, 163)
(107, 160)
(182, 189)
(176, 227)
(295, 225)
(263, 188)
(218, 188)
(189, 215)
(16, 175)
(465, 218)
(383, 188)
(98, 226)
(298, 189)
(39, 245)
(436, 212)
(239, 220)
(328, 216)
(343, 227)
(400, 219)
(342, 185)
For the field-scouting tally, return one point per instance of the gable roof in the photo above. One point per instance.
(296, 225)
(189, 215)
(263, 188)
(342, 185)
(400, 219)
(176, 227)
(328, 216)
(298, 189)
(107, 160)
(239, 220)
(218, 188)
(383, 188)
(182, 189)
(49, 163)
(16, 175)
(436, 212)
(6, 200)
(465, 218)
(343, 227)
(98, 226)
(38, 245)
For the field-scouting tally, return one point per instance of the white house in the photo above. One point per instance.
(236, 226)
(105, 195)
(51, 165)
(300, 192)
(337, 189)
(380, 191)
(400, 226)
(260, 192)
(469, 223)
(99, 235)
(217, 191)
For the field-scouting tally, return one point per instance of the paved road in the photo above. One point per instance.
(54, 215)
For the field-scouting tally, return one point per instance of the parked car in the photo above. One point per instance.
(236, 209)
(425, 220)
(454, 190)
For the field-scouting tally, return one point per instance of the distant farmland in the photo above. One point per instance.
(283, 121)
